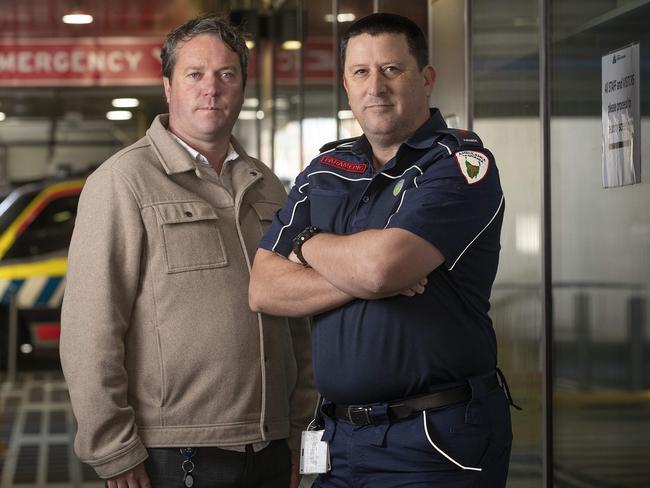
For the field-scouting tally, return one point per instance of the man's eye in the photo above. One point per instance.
(359, 72)
(195, 75)
(228, 76)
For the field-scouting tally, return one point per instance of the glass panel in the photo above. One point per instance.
(414, 10)
(601, 258)
(289, 44)
(349, 11)
(247, 130)
(505, 88)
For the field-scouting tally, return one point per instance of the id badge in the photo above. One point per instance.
(314, 453)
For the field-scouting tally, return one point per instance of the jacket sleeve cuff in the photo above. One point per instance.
(120, 462)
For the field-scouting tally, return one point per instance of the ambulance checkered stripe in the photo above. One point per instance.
(35, 291)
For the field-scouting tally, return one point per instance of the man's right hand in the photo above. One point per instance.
(416, 289)
(134, 478)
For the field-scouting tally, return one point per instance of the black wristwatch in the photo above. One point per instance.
(300, 239)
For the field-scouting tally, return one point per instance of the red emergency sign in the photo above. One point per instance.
(133, 61)
(86, 61)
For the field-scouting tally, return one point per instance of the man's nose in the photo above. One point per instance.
(210, 86)
(376, 83)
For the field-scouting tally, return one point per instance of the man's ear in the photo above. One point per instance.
(429, 78)
(167, 86)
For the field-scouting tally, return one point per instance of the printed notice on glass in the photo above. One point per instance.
(621, 117)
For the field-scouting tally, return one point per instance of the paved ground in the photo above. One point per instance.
(36, 434)
(603, 446)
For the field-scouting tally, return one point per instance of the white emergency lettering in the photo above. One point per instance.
(42, 62)
(24, 62)
(133, 59)
(75, 61)
(61, 62)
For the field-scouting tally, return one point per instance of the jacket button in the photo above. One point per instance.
(188, 214)
(266, 428)
(366, 199)
(253, 173)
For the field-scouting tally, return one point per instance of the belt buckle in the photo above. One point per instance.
(359, 416)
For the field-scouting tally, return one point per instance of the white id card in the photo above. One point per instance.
(314, 453)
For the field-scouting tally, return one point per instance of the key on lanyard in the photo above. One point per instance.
(188, 466)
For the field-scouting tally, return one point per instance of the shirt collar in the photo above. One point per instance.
(422, 138)
(197, 156)
(425, 136)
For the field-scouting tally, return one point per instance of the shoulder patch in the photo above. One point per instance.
(344, 165)
(473, 164)
(335, 144)
(464, 138)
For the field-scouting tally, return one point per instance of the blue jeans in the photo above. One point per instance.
(462, 446)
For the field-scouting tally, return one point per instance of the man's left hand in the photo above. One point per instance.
(295, 470)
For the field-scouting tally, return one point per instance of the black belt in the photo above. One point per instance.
(401, 409)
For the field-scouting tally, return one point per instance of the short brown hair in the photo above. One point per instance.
(385, 23)
(206, 24)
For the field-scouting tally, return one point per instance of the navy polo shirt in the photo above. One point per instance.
(443, 186)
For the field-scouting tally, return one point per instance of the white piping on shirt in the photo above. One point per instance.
(335, 174)
(446, 147)
(398, 207)
(395, 177)
(426, 431)
(293, 214)
(346, 145)
(486, 226)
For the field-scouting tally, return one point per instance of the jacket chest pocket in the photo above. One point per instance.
(191, 237)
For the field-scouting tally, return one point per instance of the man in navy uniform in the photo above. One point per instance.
(391, 241)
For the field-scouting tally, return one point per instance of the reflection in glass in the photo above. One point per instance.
(601, 254)
(505, 89)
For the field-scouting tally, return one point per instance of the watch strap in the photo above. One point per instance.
(300, 239)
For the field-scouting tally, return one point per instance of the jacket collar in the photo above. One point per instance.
(173, 157)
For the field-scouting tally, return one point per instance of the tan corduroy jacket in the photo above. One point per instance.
(158, 345)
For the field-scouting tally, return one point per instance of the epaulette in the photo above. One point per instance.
(464, 138)
(335, 144)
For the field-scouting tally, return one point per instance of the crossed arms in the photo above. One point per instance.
(368, 265)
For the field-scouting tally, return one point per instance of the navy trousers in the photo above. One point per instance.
(220, 468)
(462, 446)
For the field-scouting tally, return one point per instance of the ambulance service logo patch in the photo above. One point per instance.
(473, 164)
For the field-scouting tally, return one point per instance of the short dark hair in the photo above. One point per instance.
(385, 23)
(205, 24)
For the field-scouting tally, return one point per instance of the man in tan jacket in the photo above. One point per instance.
(173, 379)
